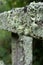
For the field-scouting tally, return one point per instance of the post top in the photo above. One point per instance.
(25, 20)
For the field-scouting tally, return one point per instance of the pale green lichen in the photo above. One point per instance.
(16, 20)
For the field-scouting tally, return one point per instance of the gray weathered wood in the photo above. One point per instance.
(21, 50)
(25, 21)
(18, 57)
(21, 22)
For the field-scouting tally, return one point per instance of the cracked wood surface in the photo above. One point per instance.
(25, 20)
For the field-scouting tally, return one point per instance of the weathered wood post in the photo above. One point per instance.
(21, 50)
(25, 24)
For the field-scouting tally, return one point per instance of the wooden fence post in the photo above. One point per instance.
(17, 51)
(29, 23)
(21, 50)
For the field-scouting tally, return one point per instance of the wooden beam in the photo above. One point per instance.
(25, 20)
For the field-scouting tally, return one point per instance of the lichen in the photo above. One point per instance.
(28, 23)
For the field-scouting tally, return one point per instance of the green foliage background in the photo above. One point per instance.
(5, 36)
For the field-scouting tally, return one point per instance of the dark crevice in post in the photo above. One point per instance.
(25, 9)
(15, 35)
(37, 51)
(15, 44)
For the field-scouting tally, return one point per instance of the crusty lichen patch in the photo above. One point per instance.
(29, 22)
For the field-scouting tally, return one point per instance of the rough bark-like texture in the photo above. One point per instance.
(18, 56)
(26, 20)
(27, 50)
(23, 21)
(22, 51)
